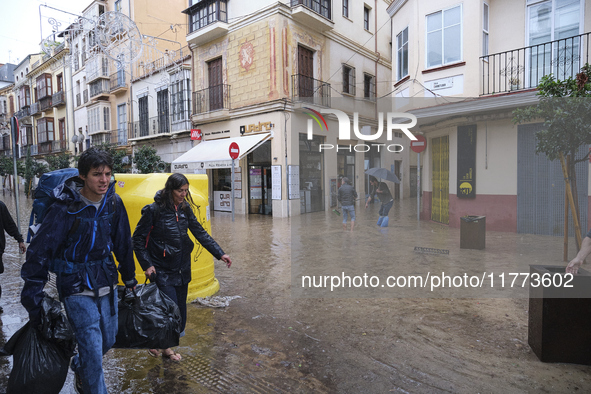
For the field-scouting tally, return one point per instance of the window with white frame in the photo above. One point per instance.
(402, 54)
(444, 37)
(122, 124)
(366, 12)
(348, 79)
(180, 94)
(485, 29)
(553, 29)
(106, 118)
(99, 119)
(346, 8)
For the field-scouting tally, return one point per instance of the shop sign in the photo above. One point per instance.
(222, 201)
(256, 128)
(196, 135)
(466, 162)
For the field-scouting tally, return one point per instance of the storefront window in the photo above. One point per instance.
(311, 174)
(346, 163)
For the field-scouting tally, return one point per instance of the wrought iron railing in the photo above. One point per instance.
(23, 113)
(34, 109)
(59, 146)
(150, 128)
(523, 68)
(45, 147)
(118, 80)
(321, 7)
(122, 137)
(211, 99)
(143, 69)
(45, 104)
(310, 90)
(58, 98)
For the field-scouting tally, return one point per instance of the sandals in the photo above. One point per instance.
(174, 356)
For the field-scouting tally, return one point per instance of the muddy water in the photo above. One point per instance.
(281, 337)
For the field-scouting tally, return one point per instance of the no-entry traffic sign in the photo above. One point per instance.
(419, 145)
(234, 150)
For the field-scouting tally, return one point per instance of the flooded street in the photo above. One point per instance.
(288, 334)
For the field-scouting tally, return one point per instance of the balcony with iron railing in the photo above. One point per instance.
(23, 113)
(121, 137)
(150, 127)
(523, 68)
(58, 98)
(59, 146)
(207, 21)
(45, 147)
(214, 98)
(143, 69)
(309, 90)
(45, 103)
(316, 14)
(117, 83)
(34, 109)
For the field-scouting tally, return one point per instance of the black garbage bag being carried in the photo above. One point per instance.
(41, 353)
(148, 319)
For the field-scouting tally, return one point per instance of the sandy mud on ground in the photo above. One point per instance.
(280, 338)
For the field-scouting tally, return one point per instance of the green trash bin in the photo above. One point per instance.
(472, 232)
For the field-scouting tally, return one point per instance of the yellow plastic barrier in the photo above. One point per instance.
(138, 190)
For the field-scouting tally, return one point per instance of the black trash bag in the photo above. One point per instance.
(41, 353)
(148, 319)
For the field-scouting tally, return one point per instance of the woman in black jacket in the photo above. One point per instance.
(163, 247)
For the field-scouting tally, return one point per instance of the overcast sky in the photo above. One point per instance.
(24, 22)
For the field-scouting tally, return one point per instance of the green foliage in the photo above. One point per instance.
(118, 154)
(147, 161)
(59, 161)
(6, 166)
(31, 169)
(565, 108)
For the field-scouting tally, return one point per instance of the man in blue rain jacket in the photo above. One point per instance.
(76, 240)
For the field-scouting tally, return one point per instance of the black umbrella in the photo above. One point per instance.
(383, 173)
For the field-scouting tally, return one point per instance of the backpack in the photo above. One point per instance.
(44, 198)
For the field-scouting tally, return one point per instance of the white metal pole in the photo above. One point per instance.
(418, 187)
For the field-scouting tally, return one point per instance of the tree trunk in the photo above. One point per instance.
(573, 208)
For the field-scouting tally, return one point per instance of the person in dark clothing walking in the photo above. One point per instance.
(7, 224)
(163, 247)
(347, 197)
(383, 192)
(76, 240)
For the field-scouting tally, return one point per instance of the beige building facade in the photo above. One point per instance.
(259, 70)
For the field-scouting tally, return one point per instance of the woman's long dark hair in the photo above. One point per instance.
(175, 181)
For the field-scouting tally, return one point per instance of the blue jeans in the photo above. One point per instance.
(348, 209)
(179, 295)
(385, 208)
(95, 331)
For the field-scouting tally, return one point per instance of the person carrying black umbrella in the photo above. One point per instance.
(383, 192)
